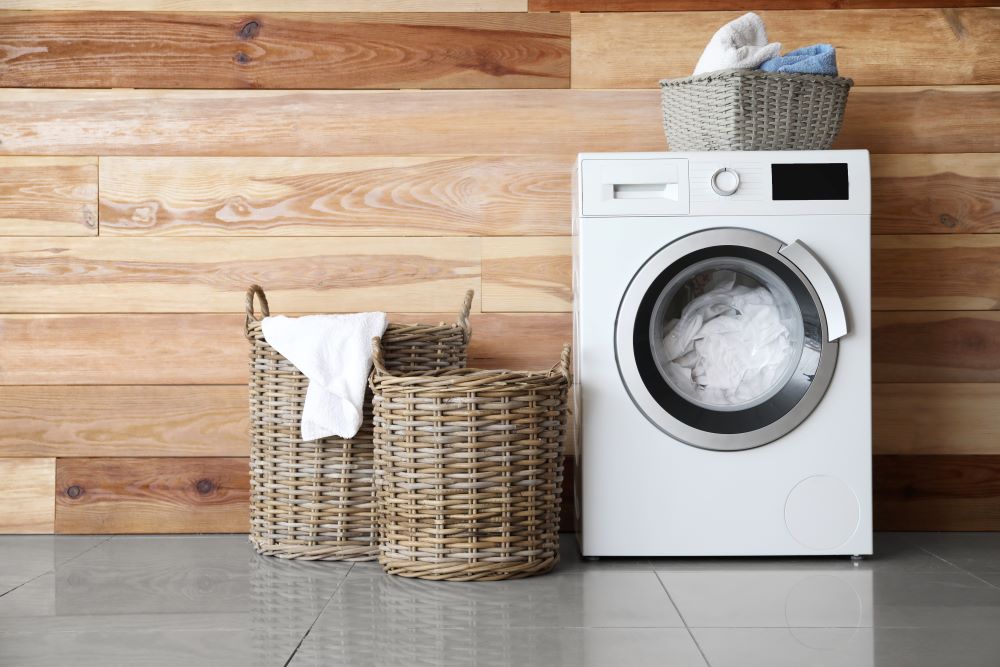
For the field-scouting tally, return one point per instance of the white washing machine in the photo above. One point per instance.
(723, 353)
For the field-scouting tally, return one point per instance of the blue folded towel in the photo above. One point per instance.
(815, 59)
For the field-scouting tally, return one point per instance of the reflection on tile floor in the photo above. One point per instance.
(925, 599)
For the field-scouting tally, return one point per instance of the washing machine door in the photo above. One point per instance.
(726, 339)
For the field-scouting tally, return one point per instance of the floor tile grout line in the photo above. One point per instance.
(316, 620)
(87, 550)
(987, 581)
(56, 566)
(683, 620)
(890, 626)
(38, 576)
(960, 568)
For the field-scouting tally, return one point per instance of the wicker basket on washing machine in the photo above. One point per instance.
(751, 110)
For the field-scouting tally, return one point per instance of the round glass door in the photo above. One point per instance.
(721, 341)
(730, 334)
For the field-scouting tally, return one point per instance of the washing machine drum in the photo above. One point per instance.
(726, 338)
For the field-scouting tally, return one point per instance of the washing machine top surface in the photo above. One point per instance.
(724, 183)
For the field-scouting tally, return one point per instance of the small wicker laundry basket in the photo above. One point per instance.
(315, 499)
(750, 110)
(469, 471)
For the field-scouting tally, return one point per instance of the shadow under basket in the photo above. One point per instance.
(469, 470)
(315, 500)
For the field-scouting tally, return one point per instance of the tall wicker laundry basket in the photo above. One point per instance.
(315, 499)
(469, 470)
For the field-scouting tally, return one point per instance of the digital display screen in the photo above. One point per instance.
(812, 180)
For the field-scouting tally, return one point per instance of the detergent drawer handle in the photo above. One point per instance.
(833, 306)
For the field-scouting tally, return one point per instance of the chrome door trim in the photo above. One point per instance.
(629, 371)
(798, 253)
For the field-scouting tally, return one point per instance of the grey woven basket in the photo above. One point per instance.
(750, 110)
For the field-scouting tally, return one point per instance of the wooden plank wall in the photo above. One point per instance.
(155, 159)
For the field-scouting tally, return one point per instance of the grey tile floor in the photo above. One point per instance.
(925, 599)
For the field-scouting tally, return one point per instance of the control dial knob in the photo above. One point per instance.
(725, 182)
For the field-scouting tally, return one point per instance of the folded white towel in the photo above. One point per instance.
(740, 44)
(335, 353)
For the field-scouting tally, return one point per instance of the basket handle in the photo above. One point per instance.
(565, 362)
(463, 315)
(378, 360)
(258, 292)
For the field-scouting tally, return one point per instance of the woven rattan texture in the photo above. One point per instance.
(315, 500)
(469, 471)
(750, 110)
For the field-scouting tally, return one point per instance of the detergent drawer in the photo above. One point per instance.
(657, 186)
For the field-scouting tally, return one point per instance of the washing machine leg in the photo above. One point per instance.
(857, 558)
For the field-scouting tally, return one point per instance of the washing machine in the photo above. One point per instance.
(723, 353)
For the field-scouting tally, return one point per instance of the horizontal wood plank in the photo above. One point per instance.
(903, 47)
(720, 5)
(954, 119)
(486, 196)
(519, 341)
(351, 196)
(936, 418)
(247, 123)
(910, 272)
(527, 274)
(207, 349)
(152, 495)
(936, 194)
(48, 196)
(211, 275)
(91, 349)
(278, 5)
(937, 492)
(26, 495)
(936, 272)
(936, 346)
(136, 421)
(489, 122)
(203, 420)
(288, 51)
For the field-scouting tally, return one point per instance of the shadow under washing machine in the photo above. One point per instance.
(723, 352)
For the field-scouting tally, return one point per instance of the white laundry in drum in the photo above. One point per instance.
(731, 345)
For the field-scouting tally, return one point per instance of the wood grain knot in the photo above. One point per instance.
(89, 217)
(241, 58)
(205, 486)
(948, 221)
(74, 491)
(249, 30)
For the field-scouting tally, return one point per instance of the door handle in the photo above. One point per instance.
(833, 306)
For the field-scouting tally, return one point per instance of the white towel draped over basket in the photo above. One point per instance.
(334, 352)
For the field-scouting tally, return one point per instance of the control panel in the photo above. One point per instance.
(724, 183)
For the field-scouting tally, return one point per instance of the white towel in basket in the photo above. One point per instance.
(335, 353)
(740, 44)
